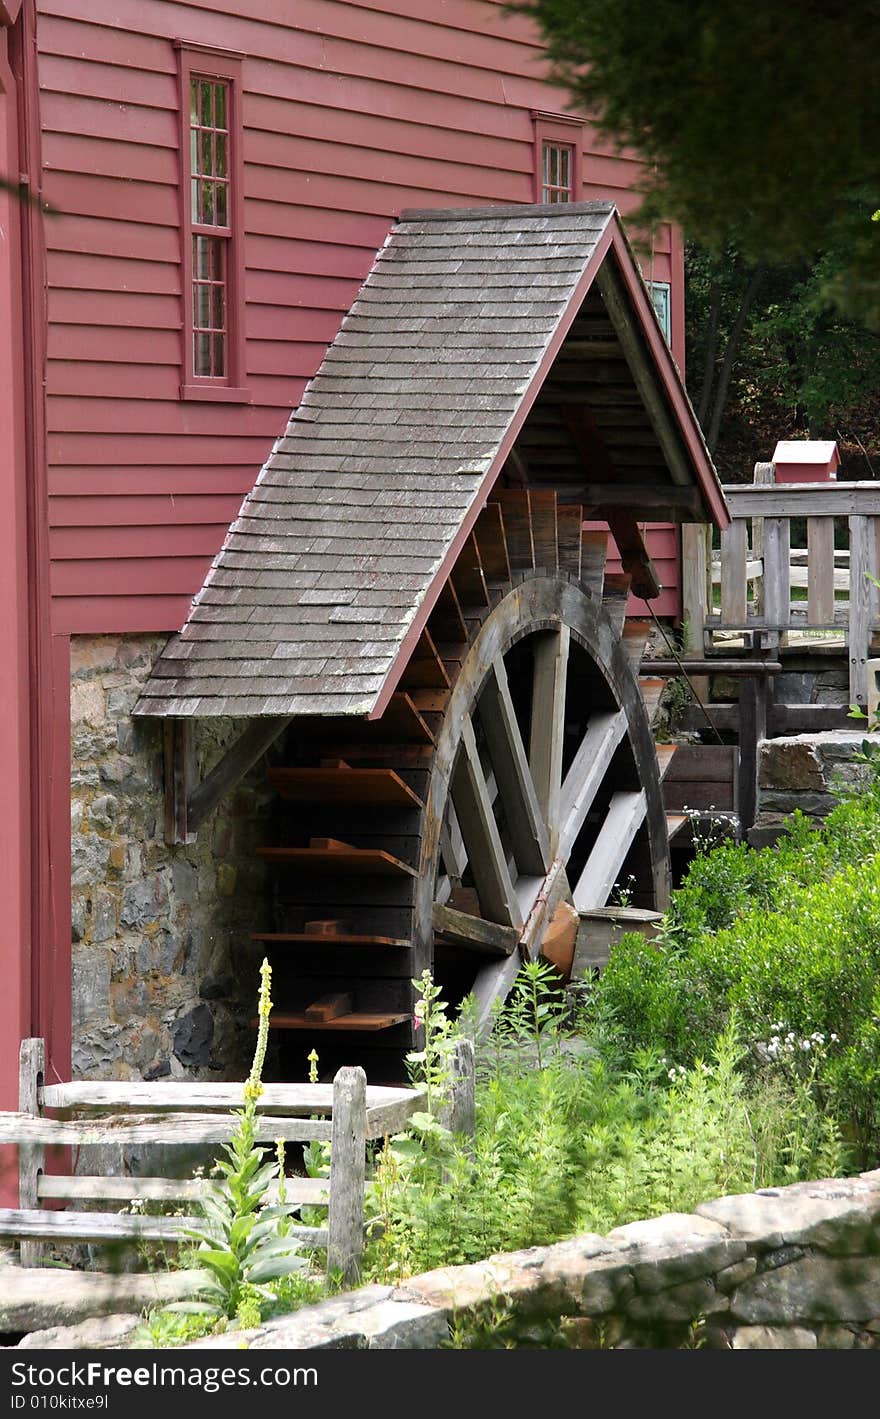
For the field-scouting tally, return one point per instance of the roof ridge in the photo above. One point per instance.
(517, 209)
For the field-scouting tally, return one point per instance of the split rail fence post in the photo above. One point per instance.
(348, 1145)
(459, 1113)
(31, 1156)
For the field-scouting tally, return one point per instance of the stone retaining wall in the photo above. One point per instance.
(803, 771)
(787, 1268)
(164, 973)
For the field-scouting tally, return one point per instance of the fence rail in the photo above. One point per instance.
(757, 569)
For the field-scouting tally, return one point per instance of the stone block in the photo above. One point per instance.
(87, 704)
(89, 856)
(767, 1337)
(91, 985)
(192, 1036)
(816, 1288)
(98, 1333)
(815, 1214)
(144, 901)
(105, 911)
(790, 764)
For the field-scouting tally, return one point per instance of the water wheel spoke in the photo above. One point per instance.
(548, 723)
(626, 813)
(583, 780)
(516, 787)
(479, 830)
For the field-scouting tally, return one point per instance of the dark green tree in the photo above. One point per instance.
(757, 121)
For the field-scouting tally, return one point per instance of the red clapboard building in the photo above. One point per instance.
(204, 189)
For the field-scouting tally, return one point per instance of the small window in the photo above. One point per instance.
(212, 236)
(558, 145)
(660, 292)
(556, 175)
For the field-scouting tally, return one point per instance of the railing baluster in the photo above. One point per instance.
(734, 551)
(820, 571)
(862, 603)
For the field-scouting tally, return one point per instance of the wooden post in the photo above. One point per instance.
(862, 601)
(777, 579)
(458, 1114)
(752, 729)
(696, 595)
(345, 1222)
(31, 1156)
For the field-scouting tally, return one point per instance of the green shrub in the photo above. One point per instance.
(787, 936)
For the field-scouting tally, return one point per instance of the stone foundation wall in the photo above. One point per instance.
(165, 976)
(787, 1268)
(803, 771)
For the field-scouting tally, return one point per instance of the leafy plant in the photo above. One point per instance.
(243, 1247)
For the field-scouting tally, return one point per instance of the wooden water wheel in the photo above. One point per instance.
(513, 770)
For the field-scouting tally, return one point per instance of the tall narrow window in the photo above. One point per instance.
(660, 292)
(212, 232)
(556, 175)
(212, 235)
(558, 146)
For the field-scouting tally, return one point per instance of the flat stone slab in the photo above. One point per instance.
(97, 1333)
(43, 1297)
(803, 1214)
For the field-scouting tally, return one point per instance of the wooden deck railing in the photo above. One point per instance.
(758, 570)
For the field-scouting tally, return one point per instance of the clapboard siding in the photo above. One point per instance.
(351, 112)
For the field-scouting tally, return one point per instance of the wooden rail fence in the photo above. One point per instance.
(757, 569)
(346, 1114)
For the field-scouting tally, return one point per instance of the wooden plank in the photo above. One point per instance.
(345, 785)
(545, 534)
(339, 938)
(391, 1118)
(240, 757)
(516, 506)
(734, 548)
(636, 634)
(446, 620)
(781, 719)
(833, 499)
(589, 766)
(568, 523)
(594, 555)
(401, 720)
(528, 833)
(289, 1099)
(344, 862)
(345, 1219)
(646, 500)
(694, 587)
(116, 1227)
(821, 569)
(715, 665)
(473, 932)
(777, 590)
(602, 928)
(492, 543)
(31, 1156)
(862, 605)
(306, 1192)
(626, 813)
(547, 729)
(479, 830)
(361, 1022)
(752, 730)
(179, 769)
(468, 579)
(330, 1007)
(178, 1129)
(425, 669)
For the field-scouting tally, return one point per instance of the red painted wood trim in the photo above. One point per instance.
(9, 10)
(15, 825)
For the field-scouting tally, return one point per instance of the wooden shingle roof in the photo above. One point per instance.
(339, 550)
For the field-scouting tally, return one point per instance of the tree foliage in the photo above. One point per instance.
(757, 123)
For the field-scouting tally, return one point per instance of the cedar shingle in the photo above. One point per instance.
(336, 547)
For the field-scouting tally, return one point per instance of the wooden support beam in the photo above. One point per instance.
(179, 777)
(588, 768)
(479, 830)
(233, 766)
(474, 932)
(634, 556)
(626, 813)
(31, 1156)
(528, 833)
(548, 723)
(656, 501)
